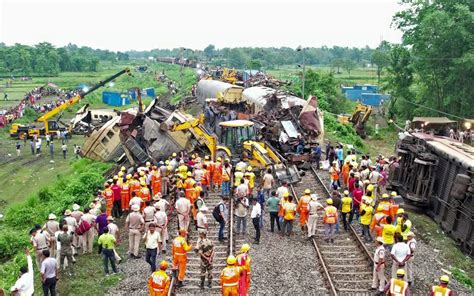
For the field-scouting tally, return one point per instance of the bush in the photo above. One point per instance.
(344, 133)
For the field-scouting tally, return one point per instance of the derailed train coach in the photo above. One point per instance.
(437, 174)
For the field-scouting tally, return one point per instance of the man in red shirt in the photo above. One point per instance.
(357, 194)
(117, 207)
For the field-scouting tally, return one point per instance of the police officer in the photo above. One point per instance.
(205, 250)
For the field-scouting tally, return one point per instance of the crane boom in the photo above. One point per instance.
(72, 101)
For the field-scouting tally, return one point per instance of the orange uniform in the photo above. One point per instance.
(230, 276)
(244, 261)
(145, 195)
(385, 204)
(345, 173)
(135, 186)
(217, 174)
(193, 195)
(303, 209)
(108, 195)
(188, 186)
(159, 283)
(393, 210)
(180, 257)
(378, 220)
(125, 195)
(155, 183)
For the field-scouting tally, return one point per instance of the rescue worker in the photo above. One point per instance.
(238, 175)
(180, 257)
(135, 184)
(145, 194)
(183, 169)
(384, 202)
(289, 212)
(52, 226)
(393, 206)
(217, 176)
(244, 261)
(313, 207)
(230, 277)
(412, 245)
(188, 186)
(159, 281)
(378, 281)
(403, 224)
(346, 203)
(378, 220)
(135, 224)
(397, 286)
(108, 195)
(441, 289)
(155, 181)
(365, 219)
(251, 177)
(303, 209)
(330, 219)
(205, 250)
(125, 193)
(388, 233)
(205, 179)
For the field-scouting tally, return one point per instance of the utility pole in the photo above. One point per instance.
(304, 68)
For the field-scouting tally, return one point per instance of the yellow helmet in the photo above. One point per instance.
(123, 169)
(245, 248)
(115, 177)
(163, 265)
(167, 162)
(286, 194)
(148, 164)
(143, 183)
(189, 174)
(385, 195)
(370, 188)
(142, 173)
(401, 272)
(400, 211)
(129, 177)
(249, 168)
(307, 191)
(444, 279)
(120, 174)
(174, 154)
(231, 260)
(329, 201)
(393, 193)
(379, 208)
(346, 192)
(238, 169)
(219, 158)
(206, 157)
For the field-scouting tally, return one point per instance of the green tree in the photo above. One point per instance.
(337, 63)
(381, 58)
(209, 51)
(348, 65)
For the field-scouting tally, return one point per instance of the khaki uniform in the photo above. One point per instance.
(88, 236)
(40, 242)
(378, 280)
(77, 239)
(161, 221)
(52, 227)
(135, 222)
(205, 246)
(412, 245)
(148, 216)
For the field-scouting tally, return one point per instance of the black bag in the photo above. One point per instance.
(217, 212)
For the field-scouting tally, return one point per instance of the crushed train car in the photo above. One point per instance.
(437, 173)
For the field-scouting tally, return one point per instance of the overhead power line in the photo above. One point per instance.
(432, 109)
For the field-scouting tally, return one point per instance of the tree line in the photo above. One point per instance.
(45, 59)
(433, 68)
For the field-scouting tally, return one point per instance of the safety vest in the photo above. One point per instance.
(388, 234)
(180, 246)
(398, 287)
(440, 291)
(367, 217)
(135, 186)
(289, 211)
(346, 204)
(159, 283)
(205, 178)
(330, 215)
(145, 194)
(303, 204)
(183, 170)
(244, 260)
(179, 184)
(237, 177)
(108, 194)
(334, 175)
(230, 276)
(225, 175)
(188, 183)
(377, 220)
(125, 188)
(406, 231)
(386, 207)
(251, 179)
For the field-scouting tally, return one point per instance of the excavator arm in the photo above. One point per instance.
(72, 101)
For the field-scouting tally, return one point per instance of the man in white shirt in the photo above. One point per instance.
(135, 200)
(183, 207)
(400, 254)
(49, 274)
(255, 216)
(25, 284)
(267, 183)
(242, 190)
(282, 190)
(160, 202)
(241, 212)
(412, 245)
(242, 165)
(161, 223)
(152, 240)
(201, 219)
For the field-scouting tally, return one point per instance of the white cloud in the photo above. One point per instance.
(147, 24)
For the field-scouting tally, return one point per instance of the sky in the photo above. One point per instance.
(147, 24)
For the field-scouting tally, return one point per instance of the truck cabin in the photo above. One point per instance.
(234, 133)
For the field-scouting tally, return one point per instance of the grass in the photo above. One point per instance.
(461, 265)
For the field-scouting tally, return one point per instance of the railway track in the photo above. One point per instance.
(346, 264)
(222, 250)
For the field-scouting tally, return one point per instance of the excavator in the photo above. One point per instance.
(238, 141)
(359, 118)
(52, 126)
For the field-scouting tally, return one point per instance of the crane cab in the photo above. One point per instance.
(235, 132)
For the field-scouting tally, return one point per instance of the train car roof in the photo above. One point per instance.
(237, 123)
(450, 149)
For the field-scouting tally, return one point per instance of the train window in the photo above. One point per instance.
(95, 116)
(105, 140)
(110, 134)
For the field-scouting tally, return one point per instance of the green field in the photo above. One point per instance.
(357, 76)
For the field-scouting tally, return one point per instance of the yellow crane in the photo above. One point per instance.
(359, 118)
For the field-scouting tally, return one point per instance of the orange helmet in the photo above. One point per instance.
(163, 265)
(183, 232)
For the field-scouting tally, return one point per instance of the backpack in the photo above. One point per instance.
(83, 227)
(216, 213)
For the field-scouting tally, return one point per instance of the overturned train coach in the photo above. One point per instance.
(437, 174)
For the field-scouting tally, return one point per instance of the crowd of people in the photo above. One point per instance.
(147, 196)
